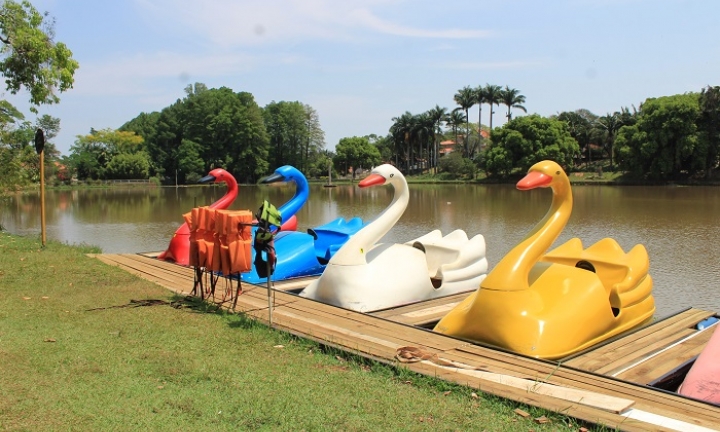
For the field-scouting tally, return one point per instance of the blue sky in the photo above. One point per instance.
(361, 63)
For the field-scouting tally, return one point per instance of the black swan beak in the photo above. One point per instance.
(274, 178)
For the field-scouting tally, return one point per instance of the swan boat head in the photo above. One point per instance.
(354, 251)
(513, 270)
(218, 175)
(288, 173)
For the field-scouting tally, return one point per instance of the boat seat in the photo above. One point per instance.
(624, 275)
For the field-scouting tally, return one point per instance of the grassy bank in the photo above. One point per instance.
(76, 355)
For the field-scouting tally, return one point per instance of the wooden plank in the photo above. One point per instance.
(164, 281)
(646, 398)
(398, 333)
(422, 305)
(638, 344)
(426, 313)
(584, 397)
(154, 266)
(293, 284)
(175, 280)
(576, 410)
(654, 367)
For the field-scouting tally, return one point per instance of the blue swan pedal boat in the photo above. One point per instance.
(302, 253)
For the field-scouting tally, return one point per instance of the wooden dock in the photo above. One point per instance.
(607, 385)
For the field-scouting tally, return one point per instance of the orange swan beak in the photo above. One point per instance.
(534, 179)
(372, 180)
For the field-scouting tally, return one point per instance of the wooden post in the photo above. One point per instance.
(40, 148)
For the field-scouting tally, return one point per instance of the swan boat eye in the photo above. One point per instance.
(392, 175)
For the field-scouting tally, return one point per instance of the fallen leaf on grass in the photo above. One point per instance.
(407, 382)
(522, 413)
(279, 346)
(44, 297)
(50, 340)
(340, 359)
(160, 387)
(542, 420)
(474, 395)
(584, 429)
(447, 393)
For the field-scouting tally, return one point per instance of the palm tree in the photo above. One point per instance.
(401, 131)
(480, 99)
(422, 131)
(465, 97)
(493, 95)
(455, 119)
(513, 99)
(438, 116)
(610, 124)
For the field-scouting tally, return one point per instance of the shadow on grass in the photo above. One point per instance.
(177, 301)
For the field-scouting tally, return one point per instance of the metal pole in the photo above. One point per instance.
(269, 290)
(42, 197)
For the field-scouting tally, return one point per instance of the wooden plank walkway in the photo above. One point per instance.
(550, 385)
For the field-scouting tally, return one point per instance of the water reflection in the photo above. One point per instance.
(678, 225)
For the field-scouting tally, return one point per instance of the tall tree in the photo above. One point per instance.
(93, 155)
(30, 57)
(610, 124)
(493, 96)
(580, 128)
(455, 119)
(354, 153)
(422, 133)
(315, 136)
(465, 97)
(664, 143)
(401, 131)
(523, 141)
(480, 99)
(709, 126)
(437, 115)
(286, 125)
(512, 99)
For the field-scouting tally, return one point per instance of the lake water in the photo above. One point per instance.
(679, 226)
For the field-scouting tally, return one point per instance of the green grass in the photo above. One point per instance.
(67, 367)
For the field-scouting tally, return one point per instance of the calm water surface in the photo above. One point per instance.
(678, 225)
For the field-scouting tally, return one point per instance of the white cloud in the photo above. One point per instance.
(255, 22)
(488, 65)
(133, 75)
(368, 19)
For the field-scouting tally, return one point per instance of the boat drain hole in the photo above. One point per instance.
(585, 265)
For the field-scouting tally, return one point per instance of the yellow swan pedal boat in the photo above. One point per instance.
(551, 305)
